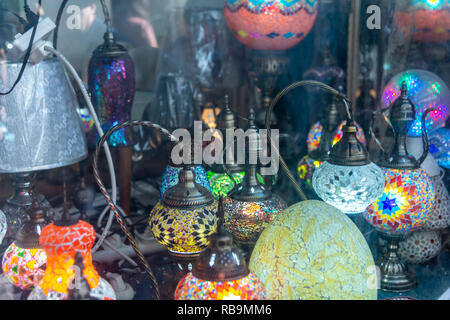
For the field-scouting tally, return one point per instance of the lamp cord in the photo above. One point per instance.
(269, 115)
(112, 203)
(106, 15)
(58, 21)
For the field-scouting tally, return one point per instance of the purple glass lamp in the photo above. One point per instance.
(111, 82)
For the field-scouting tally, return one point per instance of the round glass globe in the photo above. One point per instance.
(270, 24)
(421, 246)
(247, 288)
(24, 267)
(351, 189)
(426, 90)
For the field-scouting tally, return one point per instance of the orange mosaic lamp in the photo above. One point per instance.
(61, 244)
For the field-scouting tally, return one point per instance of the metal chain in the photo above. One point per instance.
(113, 205)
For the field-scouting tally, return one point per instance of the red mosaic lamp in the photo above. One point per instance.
(62, 241)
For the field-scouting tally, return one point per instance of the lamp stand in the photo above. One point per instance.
(16, 208)
(395, 276)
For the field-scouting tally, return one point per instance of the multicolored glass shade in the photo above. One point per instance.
(350, 189)
(192, 288)
(183, 231)
(221, 183)
(407, 201)
(312, 251)
(111, 80)
(421, 246)
(61, 244)
(24, 267)
(315, 133)
(440, 216)
(246, 220)
(270, 24)
(426, 90)
(425, 20)
(306, 168)
(440, 146)
(170, 178)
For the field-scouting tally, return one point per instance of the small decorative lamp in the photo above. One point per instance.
(62, 241)
(407, 199)
(270, 24)
(427, 91)
(185, 217)
(421, 246)
(250, 207)
(424, 20)
(24, 261)
(41, 130)
(348, 179)
(171, 173)
(440, 146)
(220, 273)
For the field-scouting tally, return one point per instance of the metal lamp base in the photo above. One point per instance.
(395, 276)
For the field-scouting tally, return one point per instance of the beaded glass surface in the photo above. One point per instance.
(350, 189)
(170, 178)
(183, 231)
(425, 20)
(312, 251)
(421, 246)
(315, 133)
(426, 90)
(24, 267)
(407, 200)
(270, 24)
(221, 183)
(246, 220)
(247, 288)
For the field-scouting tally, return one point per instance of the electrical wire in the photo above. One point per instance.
(100, 132)
(274, 102)
(112, 204)
(30, 46)
(107, 243)
(58, 21)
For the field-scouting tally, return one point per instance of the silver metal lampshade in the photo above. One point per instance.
(39, 125)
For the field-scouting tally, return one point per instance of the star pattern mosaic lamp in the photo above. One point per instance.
(220, 273)
(62, 241)
(407, 200)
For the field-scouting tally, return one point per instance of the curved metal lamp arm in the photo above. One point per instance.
(426, 144)
(282, 93)
(113, 206)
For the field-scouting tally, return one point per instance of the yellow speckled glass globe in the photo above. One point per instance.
(312, 251)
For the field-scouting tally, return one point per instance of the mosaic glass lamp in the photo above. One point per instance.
(407, 200)
(220, 273)
(270, 24)
(424, 20)
(427, 91)
(171, 173)
(251, 206)
(24, 260)
(62, 241)
(185, 217)
(348, 179)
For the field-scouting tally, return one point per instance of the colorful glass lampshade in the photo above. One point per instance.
(348, 179)
(312, 251)
(270, 24)
(440, 217)
(251, 206)
(24, 260)
(421, 246)
(440, 146)
(61, 244)
(315, 133)
(185, 217)
(111, 81)
(306, 168)
(427, 91)
(424, 20)
(220, 273)
(171, 173)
